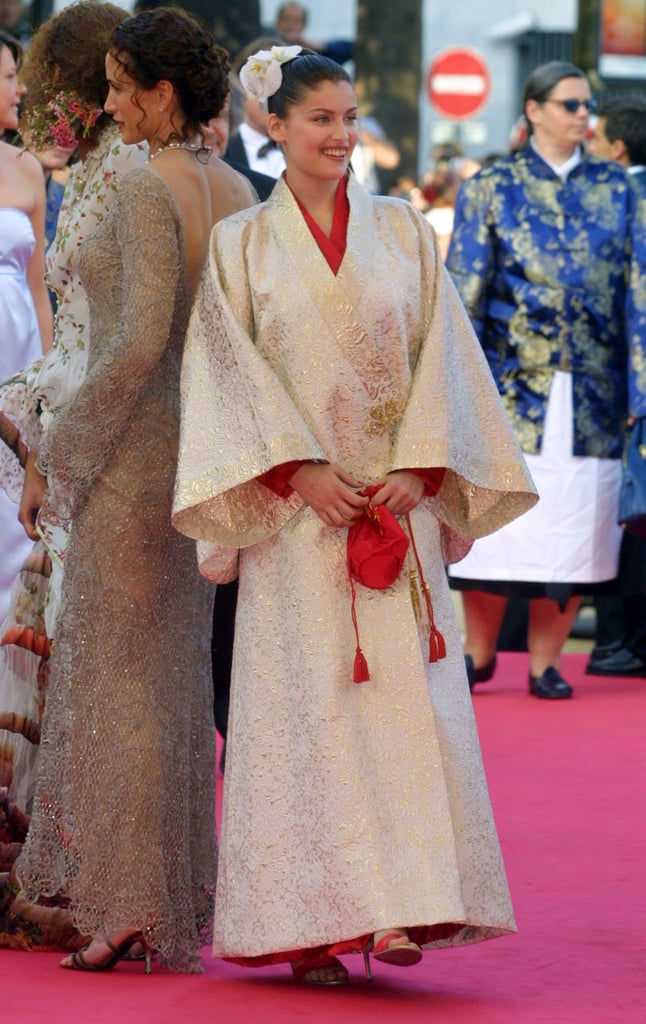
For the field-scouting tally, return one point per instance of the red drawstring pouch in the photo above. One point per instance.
(377, 545)
(376, 551)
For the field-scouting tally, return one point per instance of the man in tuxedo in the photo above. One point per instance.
(249, 148)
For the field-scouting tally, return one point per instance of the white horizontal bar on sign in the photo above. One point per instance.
(619, 66)
(459, 85)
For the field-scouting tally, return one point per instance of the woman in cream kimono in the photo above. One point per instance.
(328, 351)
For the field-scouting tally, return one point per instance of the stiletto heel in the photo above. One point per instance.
(366, 963)
(148, 950)
(78, 962)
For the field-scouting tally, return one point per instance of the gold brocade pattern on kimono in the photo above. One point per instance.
(327, 832)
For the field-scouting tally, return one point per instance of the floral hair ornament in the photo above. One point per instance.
(57, 120)
(261, 76)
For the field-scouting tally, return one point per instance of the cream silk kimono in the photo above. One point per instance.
(348, 808)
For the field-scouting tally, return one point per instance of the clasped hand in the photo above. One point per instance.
(332, 493)
(33, 490)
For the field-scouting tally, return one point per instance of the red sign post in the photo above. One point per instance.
(458, 83)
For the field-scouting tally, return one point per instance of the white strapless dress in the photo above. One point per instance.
(19, 347)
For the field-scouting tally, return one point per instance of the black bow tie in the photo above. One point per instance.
(266, 146)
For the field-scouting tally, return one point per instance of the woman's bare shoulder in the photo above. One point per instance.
(24, 161)
(22, 183)
(230, 191)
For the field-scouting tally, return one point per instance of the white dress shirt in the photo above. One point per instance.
(272, 163)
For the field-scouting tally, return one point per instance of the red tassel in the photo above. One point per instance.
(361, 673)
(436, 646)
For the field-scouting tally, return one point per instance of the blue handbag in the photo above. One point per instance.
(632, 494)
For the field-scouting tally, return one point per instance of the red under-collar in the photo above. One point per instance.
(333, 248)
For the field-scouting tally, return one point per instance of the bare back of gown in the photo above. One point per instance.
(124, 814)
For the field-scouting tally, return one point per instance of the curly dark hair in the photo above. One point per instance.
(68, 51)
(167, 44)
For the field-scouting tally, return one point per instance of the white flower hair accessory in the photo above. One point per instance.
(261, 75)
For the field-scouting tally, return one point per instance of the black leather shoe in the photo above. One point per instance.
(479, 675)
(599, 654)
(622, 663)
(550, 686)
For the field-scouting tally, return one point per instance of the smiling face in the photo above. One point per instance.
(319, 133)
(554, 126)
(11, 90)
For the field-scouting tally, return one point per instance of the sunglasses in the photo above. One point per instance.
(572, 106)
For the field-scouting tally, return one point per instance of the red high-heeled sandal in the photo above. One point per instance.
(396, 948)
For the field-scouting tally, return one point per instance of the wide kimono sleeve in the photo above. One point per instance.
(454, 417)
(89, 429)
(237, 419)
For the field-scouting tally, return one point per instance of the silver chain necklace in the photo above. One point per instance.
(192, 147)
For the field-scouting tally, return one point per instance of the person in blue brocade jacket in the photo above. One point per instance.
(541, 256)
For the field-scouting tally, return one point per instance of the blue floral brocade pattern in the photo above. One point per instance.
(547, 272)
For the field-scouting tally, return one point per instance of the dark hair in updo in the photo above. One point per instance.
(168, 44)
(546, 77)
(304, 72)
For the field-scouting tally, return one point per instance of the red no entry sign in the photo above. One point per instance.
(458, 83)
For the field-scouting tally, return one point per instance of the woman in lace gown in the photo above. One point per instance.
(128, 724)
(74, 42)
(25, 313)
(327, 351)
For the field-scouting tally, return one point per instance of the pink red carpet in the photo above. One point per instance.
(568, 783)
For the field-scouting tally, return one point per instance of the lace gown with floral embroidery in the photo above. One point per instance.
(27, 403)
